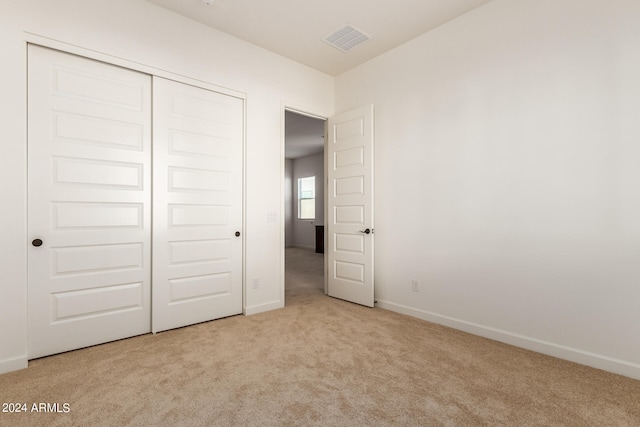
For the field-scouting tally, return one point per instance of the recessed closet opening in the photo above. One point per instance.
(127, 239)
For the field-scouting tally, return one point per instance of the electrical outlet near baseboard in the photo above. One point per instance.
(415, 285)
(255, 283)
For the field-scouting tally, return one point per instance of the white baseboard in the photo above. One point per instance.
(261, 308)
(594, 360)
(313, 248)
(15, 364)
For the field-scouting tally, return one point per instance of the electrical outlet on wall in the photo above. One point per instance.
(415, 285)
(255, 283)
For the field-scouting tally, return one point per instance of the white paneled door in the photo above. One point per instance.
(197, 205)
(128, 235)
(89, 186)
(350, 206)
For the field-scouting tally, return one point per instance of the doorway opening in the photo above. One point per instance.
(304, 210)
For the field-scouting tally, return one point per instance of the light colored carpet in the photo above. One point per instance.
(317, 362)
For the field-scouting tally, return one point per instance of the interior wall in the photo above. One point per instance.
(288, 202)
(137, 31)
(508, 176)
(304, 231)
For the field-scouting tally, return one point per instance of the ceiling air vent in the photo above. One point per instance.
(346, 38)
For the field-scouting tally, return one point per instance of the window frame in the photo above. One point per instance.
(301, 198)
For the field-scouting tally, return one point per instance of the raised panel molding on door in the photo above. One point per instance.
(350, 206)
(91, 264)
(89, 194)
(197, 205)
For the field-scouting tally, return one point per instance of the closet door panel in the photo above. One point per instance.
(197, 205)
(89, 199)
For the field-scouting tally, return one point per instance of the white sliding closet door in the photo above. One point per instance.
(89, 198)
(197, 205)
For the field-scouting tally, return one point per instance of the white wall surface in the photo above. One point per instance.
(304, 231)
(137, 31)
(288, 202)
(508, 176)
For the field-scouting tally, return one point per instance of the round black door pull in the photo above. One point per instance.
(237, 234)
(36, 242)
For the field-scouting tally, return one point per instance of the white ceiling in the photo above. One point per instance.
(296, 28)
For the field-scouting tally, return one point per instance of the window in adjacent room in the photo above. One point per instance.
(307, 198)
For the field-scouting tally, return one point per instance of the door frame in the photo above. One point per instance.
(38, 40)
(325, 118)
